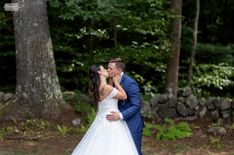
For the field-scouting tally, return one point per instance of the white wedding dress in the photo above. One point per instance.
(104, 137)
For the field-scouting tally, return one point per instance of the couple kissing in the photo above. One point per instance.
(118, 125)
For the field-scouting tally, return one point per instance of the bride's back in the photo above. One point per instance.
(109, 103)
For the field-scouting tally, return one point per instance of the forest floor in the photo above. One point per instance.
(41, 137)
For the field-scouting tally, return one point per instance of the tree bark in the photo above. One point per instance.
(37, 87)
(194, 45)
(173, 64)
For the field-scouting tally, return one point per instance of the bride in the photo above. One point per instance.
(105, 137)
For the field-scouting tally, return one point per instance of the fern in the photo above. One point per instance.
(173, 131)
(147, 131)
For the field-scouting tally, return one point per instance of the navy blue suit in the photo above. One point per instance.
(130, 109)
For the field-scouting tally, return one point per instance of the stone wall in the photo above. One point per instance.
(4, 97)
(188, 107)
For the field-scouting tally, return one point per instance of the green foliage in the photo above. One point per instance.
(83, 34)
(144, 62)
(172, 131)
(3, 133)
(38, 123)
(232, 126)
(148, 129)
(216, 124)
(147, 132)
(215, 53)
(216, 142)
(213, 68)
(147, 87)
(88, 10)
(86, 37)
(91, 116)
(19, 151)
(210, 76)
(169, 130)
(63, 130)
(82, 107)
(7, 52)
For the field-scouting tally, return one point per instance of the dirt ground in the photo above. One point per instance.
(40, 138)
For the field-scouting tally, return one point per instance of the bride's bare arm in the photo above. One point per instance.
(121, 93)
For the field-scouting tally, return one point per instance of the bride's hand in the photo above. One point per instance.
(116, 78)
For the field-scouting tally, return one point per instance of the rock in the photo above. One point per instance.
(191, 112)
(163, 99)
(7, 97)
(181, 99)
(154, 101)
(192, 102)
(188, 118)
(202, 111)
(187, 92)
(172, 102)
(165, 112)
(225, 104)
(76, 122)
(209, 104)
(232, 103)
(181, 109)
(214, 115)
(69, 95)
(216, 102)
(146, 110)
(202, 101)
(217, 131)
(226, 114)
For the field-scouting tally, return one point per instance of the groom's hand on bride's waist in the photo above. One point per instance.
(113, 116)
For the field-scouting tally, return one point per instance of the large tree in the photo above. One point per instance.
(173, 64)
(37, 88)
(194, 43)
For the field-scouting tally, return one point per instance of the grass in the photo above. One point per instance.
(61, 141)
(16, 152)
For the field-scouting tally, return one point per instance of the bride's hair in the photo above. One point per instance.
(94, 82)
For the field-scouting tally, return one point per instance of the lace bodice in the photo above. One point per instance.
(109, 103)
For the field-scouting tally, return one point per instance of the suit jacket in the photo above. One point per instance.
(130, 108)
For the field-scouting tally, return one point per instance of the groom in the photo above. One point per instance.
(129, 108)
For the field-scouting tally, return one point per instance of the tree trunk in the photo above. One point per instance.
(194, 45)
(37, 87)
(173, 64)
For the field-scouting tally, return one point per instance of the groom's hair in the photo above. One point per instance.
(118, 62)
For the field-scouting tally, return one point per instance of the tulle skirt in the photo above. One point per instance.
(106, 138)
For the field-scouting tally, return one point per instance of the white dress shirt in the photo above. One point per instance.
(121, 75)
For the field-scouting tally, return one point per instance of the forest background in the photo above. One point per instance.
(164, 43)
(88, 32)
